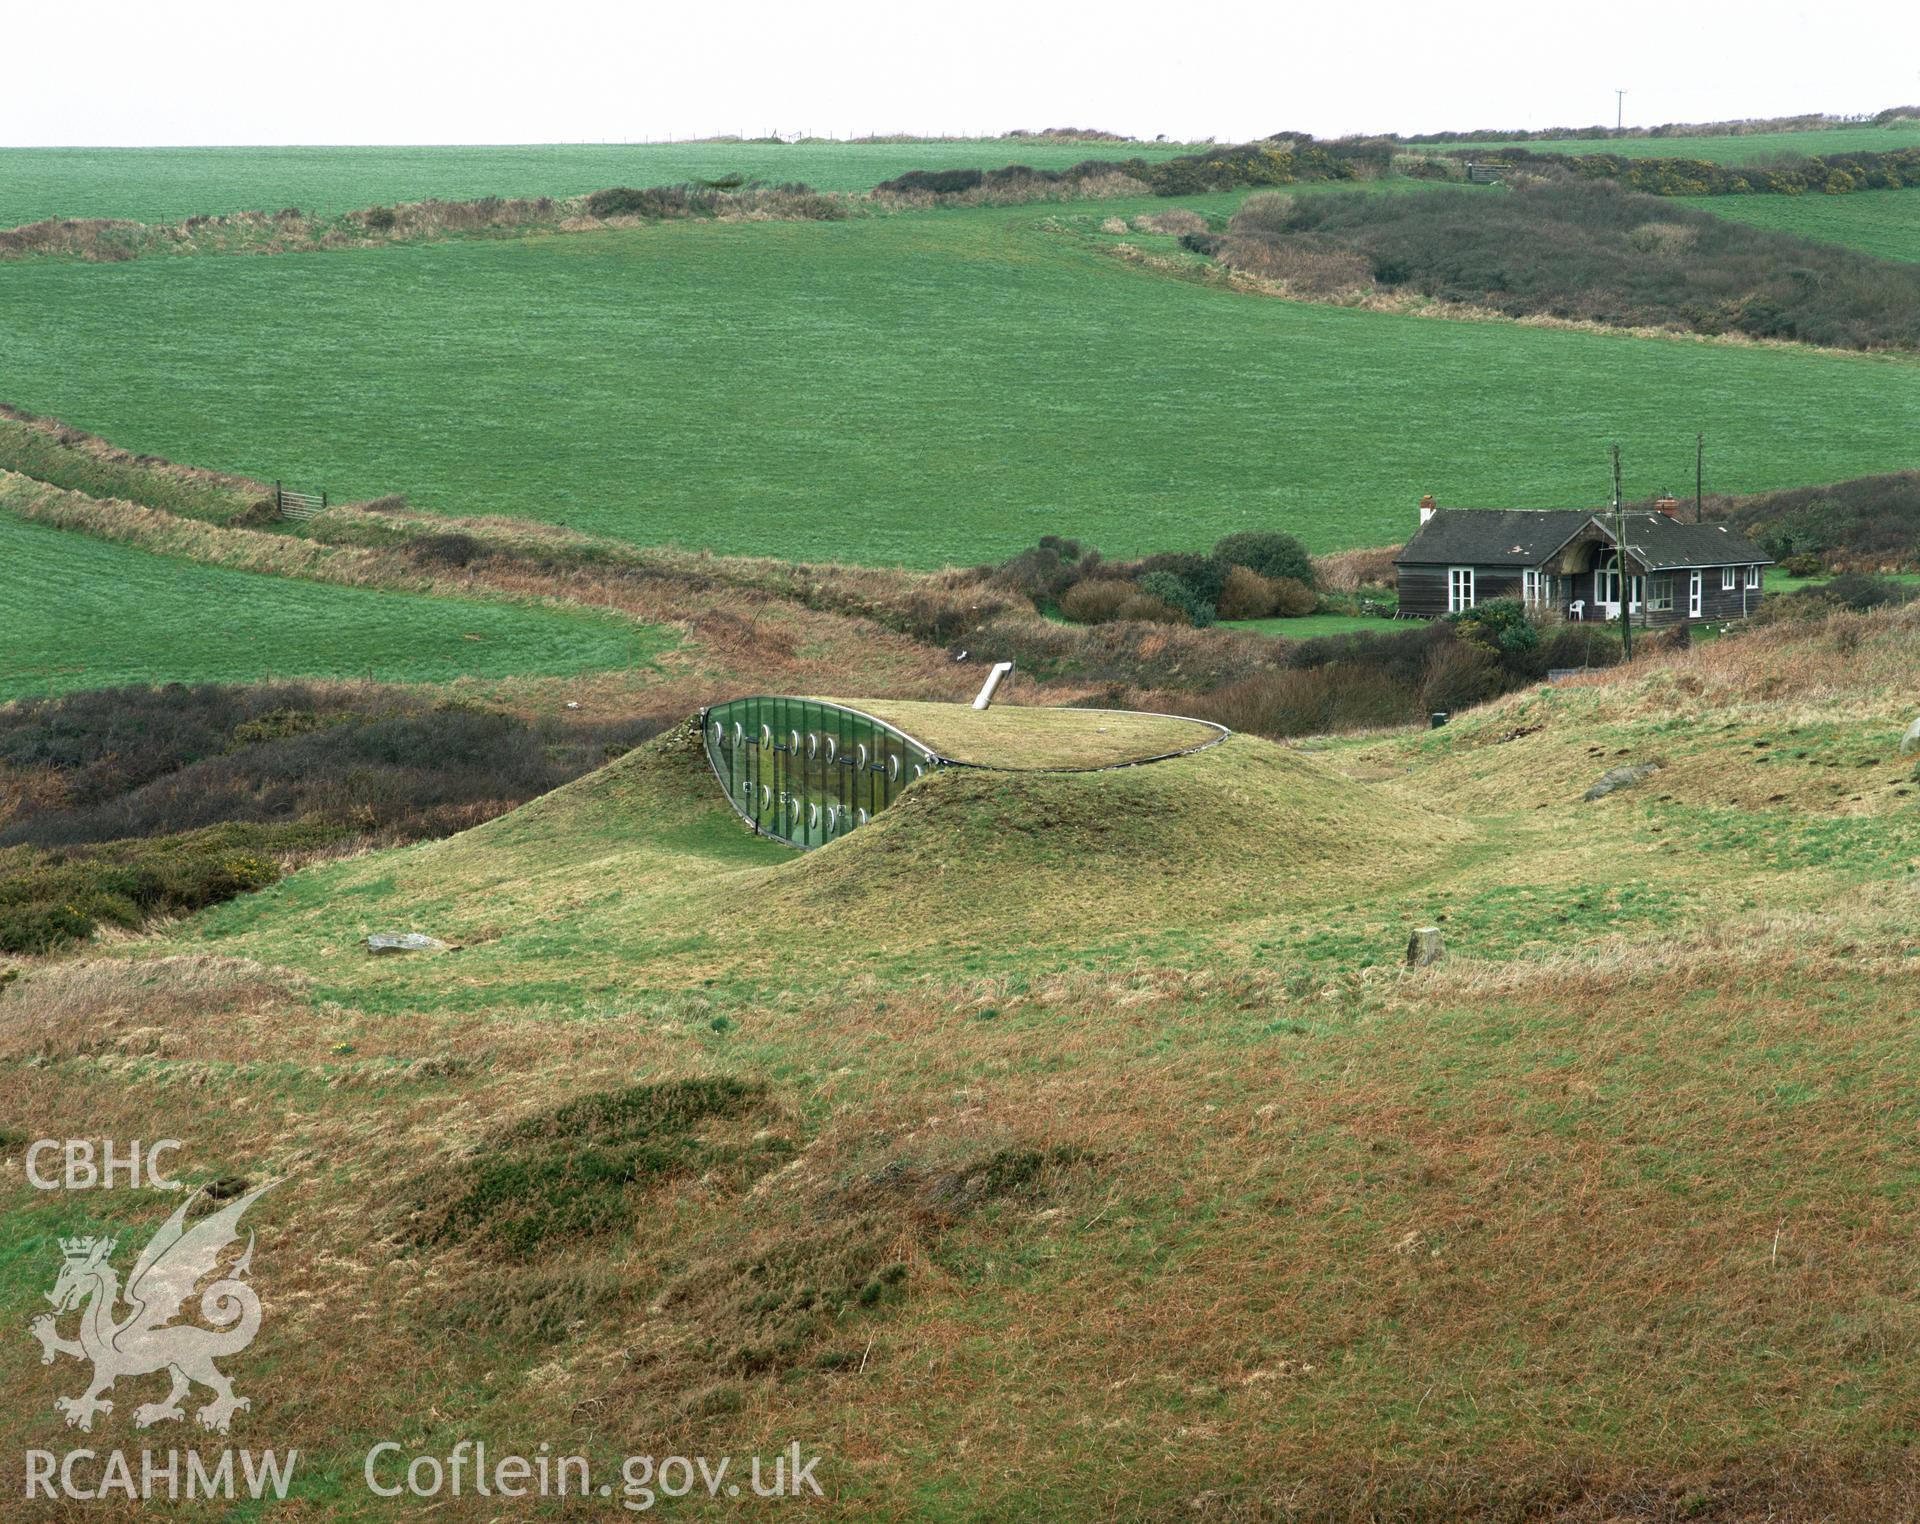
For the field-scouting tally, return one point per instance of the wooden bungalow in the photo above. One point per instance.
(1567, 561)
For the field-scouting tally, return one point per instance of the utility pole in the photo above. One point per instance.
(1699, 477)
(1619, 109)
(1625, 586)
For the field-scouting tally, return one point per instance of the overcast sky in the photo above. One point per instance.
(420, 71)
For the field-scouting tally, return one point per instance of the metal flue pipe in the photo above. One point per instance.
(1001, 671)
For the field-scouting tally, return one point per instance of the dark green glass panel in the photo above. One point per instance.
(808, 772)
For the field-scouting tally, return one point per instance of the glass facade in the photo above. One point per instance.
(807, 772)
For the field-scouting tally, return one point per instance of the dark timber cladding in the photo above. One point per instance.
(1568, 562)
(808, 772)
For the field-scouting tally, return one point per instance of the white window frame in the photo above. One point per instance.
(1658, 601)
(1753, 576)
(1696, 593)
(1607, 579)
(1729, 578)
(1536, 588)
(1459, 589)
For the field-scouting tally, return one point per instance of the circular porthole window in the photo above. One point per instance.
(766, 735)
(813, 816)
(860, 818)
(919, 771)
(719, 734)
(766, 796)
(833, 747)
(863, 753)
(893, 767)
(813, 743)
(739, 732)
(793, 740)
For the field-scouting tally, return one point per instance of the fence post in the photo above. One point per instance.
(279, 506)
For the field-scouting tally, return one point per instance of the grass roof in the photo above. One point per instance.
(1010, 735)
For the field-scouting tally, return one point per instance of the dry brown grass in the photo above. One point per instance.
(1347, 571)
(1174, 223)
(1302, 269)
(108, 1006)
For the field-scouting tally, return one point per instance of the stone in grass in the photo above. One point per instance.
(1621, 777)
(1910, 742)
(1425, 946)
(412, 941)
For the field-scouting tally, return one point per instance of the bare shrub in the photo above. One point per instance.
(1177, 222)
(454, 549)
(1460, 673)
(1114, 225)
(1263, 214)
(1309, 701)
(1245, 595)
(1664, 237)
(1347, 571)
(1098, 600)
(1304, 264)
(1292, 598)
(1147, 609)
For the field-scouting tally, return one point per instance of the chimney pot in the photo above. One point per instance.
(1426, 507)
(1670, 506)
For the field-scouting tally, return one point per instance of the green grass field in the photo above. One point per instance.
(1307, 626)
(82, 613)
(1751, 148)
(1883, 222)
(915, 390)
(170, 184)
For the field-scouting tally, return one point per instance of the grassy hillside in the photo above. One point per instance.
(1748, 148)
(1881, 222)
(81, 613)
(169, 184)
(1092, 1120)
(919, 389)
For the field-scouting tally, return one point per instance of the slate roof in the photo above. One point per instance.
(1527, 537)
(1492, 536)
(1660, 542)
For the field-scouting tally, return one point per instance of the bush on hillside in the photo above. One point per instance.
(1502, 625)
(1861, 591)
(1202, 576)
(48, 898)
(936, 182)
(1871, 521)
(1170, 590)
(1245, 595)
(1268, 552)
(1098, 600)
(1292, 598)
(1589, 252)
(1047, 570)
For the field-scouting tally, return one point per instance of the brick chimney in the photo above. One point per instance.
(1427, 508)
(1670, 506)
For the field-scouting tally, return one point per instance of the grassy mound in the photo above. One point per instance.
(1011, 736)
(645, 862)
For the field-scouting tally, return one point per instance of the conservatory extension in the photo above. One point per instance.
(808, 770)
